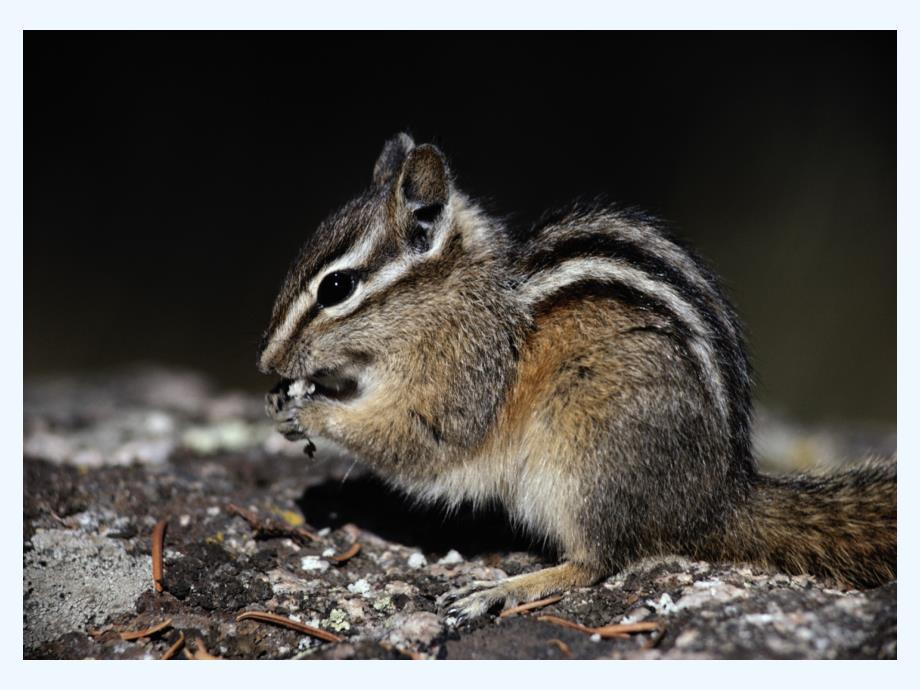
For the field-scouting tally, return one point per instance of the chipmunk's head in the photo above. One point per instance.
(362, 293)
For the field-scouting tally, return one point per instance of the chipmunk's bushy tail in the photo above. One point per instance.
(842, 526)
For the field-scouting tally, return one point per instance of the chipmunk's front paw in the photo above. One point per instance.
(284, 405)
(283, 408)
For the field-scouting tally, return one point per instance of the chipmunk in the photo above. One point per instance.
(590, 375)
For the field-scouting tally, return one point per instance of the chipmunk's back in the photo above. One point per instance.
(627, 258)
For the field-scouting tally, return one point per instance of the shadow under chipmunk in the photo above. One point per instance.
(373, 506)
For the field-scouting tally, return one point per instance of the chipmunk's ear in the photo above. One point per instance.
(423, 191)
(390, 160)
(425, 181)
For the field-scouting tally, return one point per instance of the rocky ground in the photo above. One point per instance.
(255, 525)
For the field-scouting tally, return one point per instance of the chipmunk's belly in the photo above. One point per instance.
(537, 494)
(469, 481)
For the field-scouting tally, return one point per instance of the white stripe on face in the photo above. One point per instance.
(297, 309)
(546, 282)
(390, 273)
(382, 279)
(307, 298)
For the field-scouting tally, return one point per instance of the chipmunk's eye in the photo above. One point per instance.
(336, 287)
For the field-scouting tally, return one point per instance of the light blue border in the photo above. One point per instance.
(470, 14)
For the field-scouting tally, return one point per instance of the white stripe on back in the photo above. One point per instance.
(548, 281)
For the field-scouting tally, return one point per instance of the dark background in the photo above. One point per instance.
(171, 177)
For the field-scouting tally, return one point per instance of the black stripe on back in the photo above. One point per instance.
(728, 343)
(609, 246)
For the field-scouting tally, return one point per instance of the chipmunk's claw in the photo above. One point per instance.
(472, 601)
(288, 424)
(458, 616)
(453, 595)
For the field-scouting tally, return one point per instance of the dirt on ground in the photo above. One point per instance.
(253, 524)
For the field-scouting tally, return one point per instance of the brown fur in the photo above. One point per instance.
(842, 526)
(584, 411)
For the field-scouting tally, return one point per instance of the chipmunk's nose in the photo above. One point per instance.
(269, 361)
(278, 359)
(262, 365)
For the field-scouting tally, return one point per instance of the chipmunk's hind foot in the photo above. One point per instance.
(478, 598)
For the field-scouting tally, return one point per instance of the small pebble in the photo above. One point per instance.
(361, 587)
(314, 563)
(451, 558)
(417, 560)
